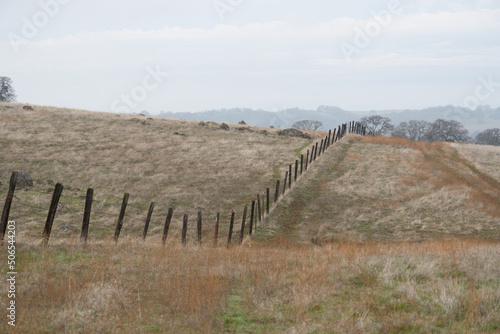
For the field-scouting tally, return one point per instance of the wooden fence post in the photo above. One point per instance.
(52, 213)
(167, 224)
(86, 216)
(8, 202)
(231, 224)
(301, 163)
(284, 183)
(184, 228)
(251, 217)
(243, 220)
(259, 209)
(267, 204)
(199, 227)
(120, 218)
(329, 137)
(333, 135)
(277, 193)
(216, 236)
(289, 176)
(320, 148)
(148, 220)
(315, 151)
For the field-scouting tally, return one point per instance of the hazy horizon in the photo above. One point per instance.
(196, 55)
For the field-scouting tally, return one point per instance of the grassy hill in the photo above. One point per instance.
(170, 162)
(387, 189)
(381, 235)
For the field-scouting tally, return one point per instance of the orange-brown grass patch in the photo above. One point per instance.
(454, 172)
(439, 286)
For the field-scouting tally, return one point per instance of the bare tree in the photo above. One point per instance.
(447, 130)
(377, 125)
(307, 124)
(412, 130)
(7, 93)
(489, 137)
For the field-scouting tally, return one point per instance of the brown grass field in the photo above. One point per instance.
(381, 235)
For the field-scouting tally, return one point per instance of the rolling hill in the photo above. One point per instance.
(381, 235)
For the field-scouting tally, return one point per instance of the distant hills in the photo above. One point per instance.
(484, 117)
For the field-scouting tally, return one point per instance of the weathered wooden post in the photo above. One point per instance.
(284, 183)
(8, 202)
(231, 224)
(259, 209)
(243, 220)
(320, 148)
(184, 229)
(315, 151)
(329, 138)
(199, 226)
(267, 203)
(289, 176)
(333, 135)
(167, 224)
(121, 216)
(251, 217)
(148, 220)
(52, 213)
(276, 194)
(86, 216)
(312, 155)
(216, 236)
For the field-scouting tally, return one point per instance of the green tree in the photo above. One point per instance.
(447, 130)
(307, 124)
(377, 125)
(7, 93)
(412, 130)
(489, 137)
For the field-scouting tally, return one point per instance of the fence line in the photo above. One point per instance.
(258, 215)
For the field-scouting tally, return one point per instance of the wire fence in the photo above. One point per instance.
(254, 213)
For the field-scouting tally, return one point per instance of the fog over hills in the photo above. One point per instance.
(484, 117)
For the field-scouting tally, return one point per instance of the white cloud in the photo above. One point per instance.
(226, 61)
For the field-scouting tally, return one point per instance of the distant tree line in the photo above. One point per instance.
(439, 130)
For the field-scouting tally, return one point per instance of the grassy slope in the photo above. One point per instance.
(385, 189)
(163, 160)
(402, 192)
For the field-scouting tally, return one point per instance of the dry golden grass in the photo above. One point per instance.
(445, 286)
(379, 188)
(154, 159)
(366, 202)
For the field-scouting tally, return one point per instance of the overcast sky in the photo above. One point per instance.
(193, 55)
